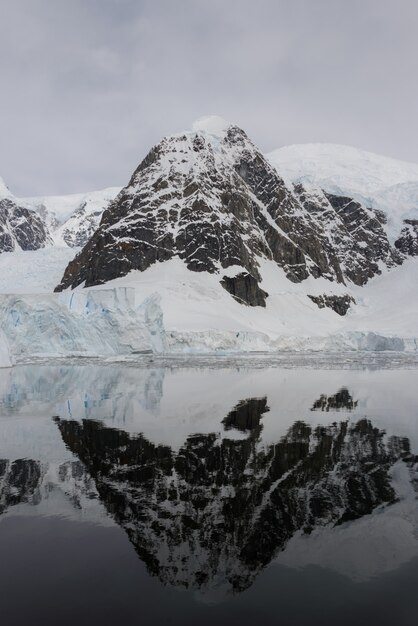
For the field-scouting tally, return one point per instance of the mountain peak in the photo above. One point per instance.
(211, 124)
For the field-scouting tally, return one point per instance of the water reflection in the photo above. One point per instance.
(212, 476)
(340, 400)
(220, 509)
(246, 415)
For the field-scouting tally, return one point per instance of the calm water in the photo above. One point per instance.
(233, 495)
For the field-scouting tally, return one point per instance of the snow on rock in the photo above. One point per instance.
(73, 218)
(216, 203)
(379, 182)
(20, 228)
(204, 211)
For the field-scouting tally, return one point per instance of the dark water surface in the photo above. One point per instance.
(203, 495)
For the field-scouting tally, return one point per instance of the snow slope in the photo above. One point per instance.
(342, 169)
(380, 182)
(35, 271)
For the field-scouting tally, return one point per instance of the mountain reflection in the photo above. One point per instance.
(341, 400)
(246, 415)
(213, 513)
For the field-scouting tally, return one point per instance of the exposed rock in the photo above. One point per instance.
(339, 304)
(20, 228)
(245, 289)
(407, 242)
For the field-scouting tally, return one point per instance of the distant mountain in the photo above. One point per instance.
(210, 198)
(32, 223)
(72, 219)
(379, 182)
(20, 228)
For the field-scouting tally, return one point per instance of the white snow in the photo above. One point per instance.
(211, 124)
(62, 207)
(199, 315)
(33, 272)
(69, 214)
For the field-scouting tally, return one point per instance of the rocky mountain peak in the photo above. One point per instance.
(209, 197)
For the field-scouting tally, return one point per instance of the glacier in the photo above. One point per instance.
(5, 357)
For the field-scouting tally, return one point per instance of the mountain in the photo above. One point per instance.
(210, 198)
(33, 223)
(376, 181)
(72, 219)
(211, 247)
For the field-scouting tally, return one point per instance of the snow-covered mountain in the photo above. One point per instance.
(72, 219)
(32, 223)
(210, 198)
(376, 181)
(212, 246)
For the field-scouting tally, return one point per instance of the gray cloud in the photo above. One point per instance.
(88, 86)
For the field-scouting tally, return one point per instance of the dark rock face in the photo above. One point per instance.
(339, 304)
(20, 228)
(244, 288)
(219, 509)
(367, 243)
(407, 242)
(216, 203)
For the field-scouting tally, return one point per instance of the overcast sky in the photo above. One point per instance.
(88, 86)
